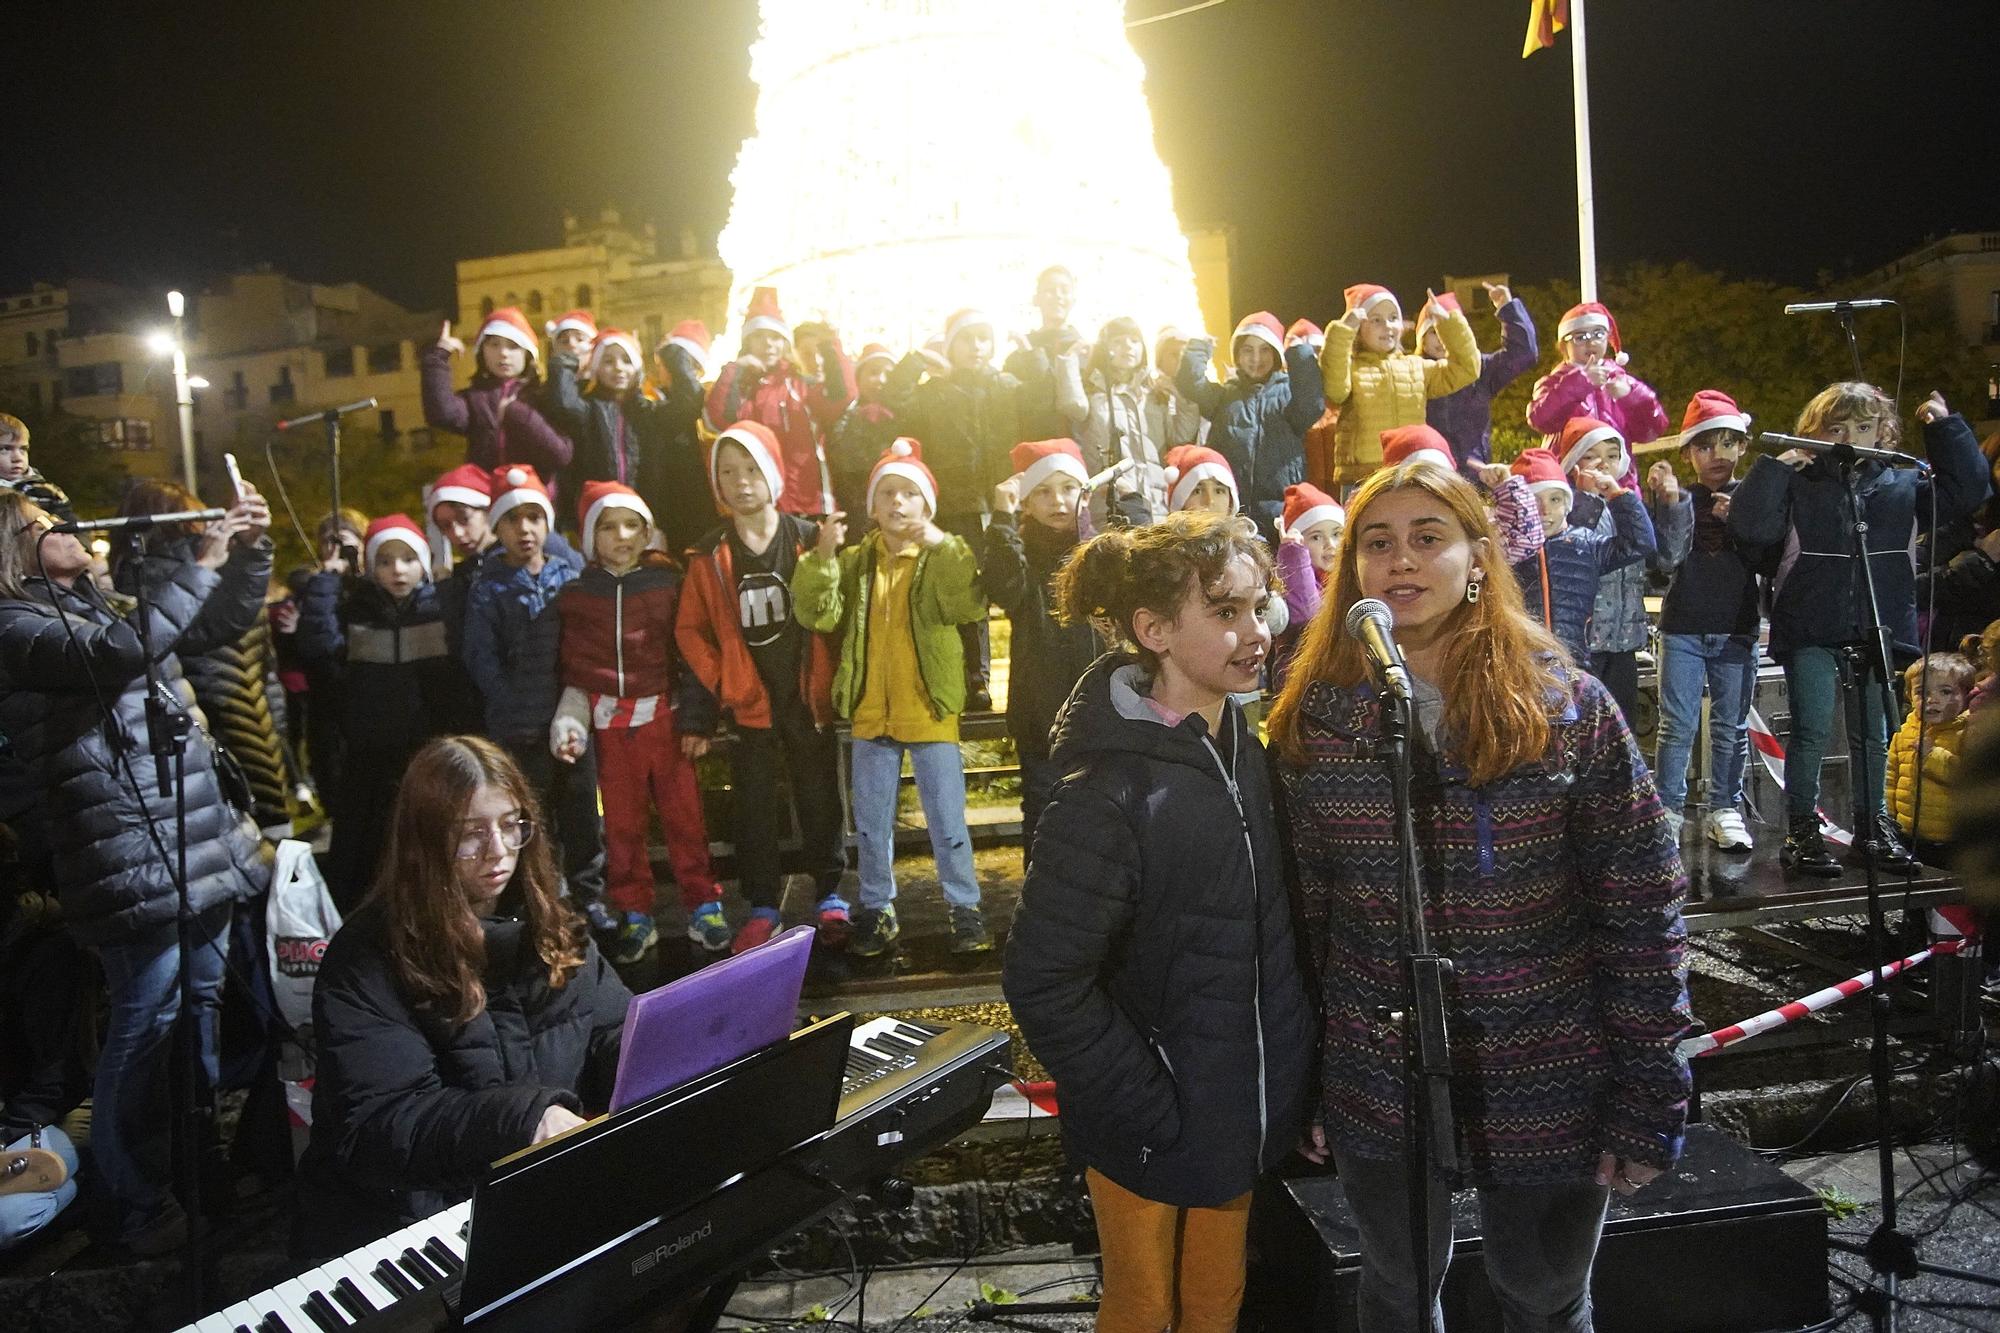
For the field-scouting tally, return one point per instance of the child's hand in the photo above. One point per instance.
(1492, 475)
(451, 345)
(1796, 458)
(1596, 371)
(1352, 319)
(1932, 408)
(1498, 293)
(933, 534)
(285, 616)
(1007, 495)
(832, 532)
(1718, 505)
(694, 747)
(1436, 311)
(1924, 747)
(1662, 482)
(1599, 483)
(252, 514)
(567, 738)
(1619, 385)
(1287, 537)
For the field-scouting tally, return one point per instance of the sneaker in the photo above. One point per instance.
(1805, 852)
(968, 930)
(1726, 829)
(604, 923)
(636, 933)
(874, 930)
(709, 928)
(762, 923)
(831, 922)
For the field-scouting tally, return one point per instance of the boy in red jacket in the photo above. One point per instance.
(621, 680)
(765, 385)
(774, 678)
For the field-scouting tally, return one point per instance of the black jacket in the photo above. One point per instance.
(1151, 963)
(408, 1111)
(676, 480)
(617, 439)
(401, 683)
(114, 882)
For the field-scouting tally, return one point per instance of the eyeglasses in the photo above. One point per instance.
(1586, 336)
(514, 832)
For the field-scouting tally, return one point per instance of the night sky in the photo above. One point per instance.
(1347, 140)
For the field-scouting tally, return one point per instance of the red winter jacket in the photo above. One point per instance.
(618, 638)
(799, 411)
(710, 637)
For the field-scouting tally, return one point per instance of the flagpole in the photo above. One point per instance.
(1586, 199)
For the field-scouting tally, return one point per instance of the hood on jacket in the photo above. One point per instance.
(1108, 712)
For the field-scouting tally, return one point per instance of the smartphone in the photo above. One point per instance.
(235, 476)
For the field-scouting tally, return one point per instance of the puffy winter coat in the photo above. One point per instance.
(1567, 392)
(1556, 892)
(1938, 768)
(101, 786)
(683, 502)
(1151, 964)
(400, 682)
(618, 640)
(409, 1110)
(499, 419)
(708, 629)
(1559, 582)
(799, 411)
(1817, 594)
(1378, 391)
(1465, 418)
(968, 422)
(1259, 429)
(1618, 618)
(617, 439)
(512, 636)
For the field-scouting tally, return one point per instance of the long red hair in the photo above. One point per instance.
(1499, 668)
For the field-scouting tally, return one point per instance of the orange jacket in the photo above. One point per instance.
(710, 636)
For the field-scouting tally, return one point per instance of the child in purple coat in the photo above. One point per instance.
(1592, 382)
(496, 413)
(1465, 418)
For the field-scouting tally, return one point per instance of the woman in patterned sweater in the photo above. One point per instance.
(1552, 883)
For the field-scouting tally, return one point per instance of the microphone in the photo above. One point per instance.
(359, 405)
(1812, 446)
(140, 522)
(1368, 624)
(1823, 307)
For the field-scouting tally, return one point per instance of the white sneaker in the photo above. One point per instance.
(1726, 829)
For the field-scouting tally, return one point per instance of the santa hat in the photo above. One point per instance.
(396, 528)
(1364, 296)
(1581, 434)
(761, 443)
(905, 459)
(1592, 315)
(1539, 468)
(1305, 331)
(1416, 444)
(1188, 465)
(873, 352)
(610, 338)
(599, 496)
(1445, 301)
(510, 324)
(1168, 333)
(1307, 506)
(963, 321)
(934, 358)
(515, 485)
(692, 337)
(466, 484)
(1039, 460)
(580, 320)
(1712, 409)
(1264, 327)
(763, 314)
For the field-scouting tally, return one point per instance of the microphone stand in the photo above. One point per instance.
(1844, 312)
(331, 419)
(1430, 1140)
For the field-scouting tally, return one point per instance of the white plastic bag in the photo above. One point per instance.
(299, 920)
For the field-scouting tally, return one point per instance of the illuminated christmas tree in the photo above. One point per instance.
(914, 156)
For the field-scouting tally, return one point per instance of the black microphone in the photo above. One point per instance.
(359, 405)
(1812, 446)
(140, 522)
(1369, 623)
(1823, 307)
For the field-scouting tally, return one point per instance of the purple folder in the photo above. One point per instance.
(712, 1017)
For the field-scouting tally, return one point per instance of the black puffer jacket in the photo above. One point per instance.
(408, 1110)
(1151, 963)
(114, 882)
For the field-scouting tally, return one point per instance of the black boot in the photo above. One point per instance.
(1805, 851)
(1891, 852)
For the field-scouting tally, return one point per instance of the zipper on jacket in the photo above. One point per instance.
(1257, 952)
(618, 629)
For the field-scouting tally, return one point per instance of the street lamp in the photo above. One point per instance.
(175, 344)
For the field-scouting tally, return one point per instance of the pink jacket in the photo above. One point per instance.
(1567, 392)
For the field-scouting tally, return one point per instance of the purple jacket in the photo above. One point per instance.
(1465, 418)
(1567, 392)
(524, 436)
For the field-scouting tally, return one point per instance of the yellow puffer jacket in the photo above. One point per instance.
(1901, 782)
(1378, 391)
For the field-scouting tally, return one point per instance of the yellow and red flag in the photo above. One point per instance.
(1546, 18)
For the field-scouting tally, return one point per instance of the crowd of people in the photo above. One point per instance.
(647, 556)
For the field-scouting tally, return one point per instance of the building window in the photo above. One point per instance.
(583, 296)
(34, 344)
(48, 300)
(126, 433)
(339, 362)
(284, 391)
(388, 421)
(385, 358)
(485, 308)
(106, 377)
(237, 395)
(535, 301)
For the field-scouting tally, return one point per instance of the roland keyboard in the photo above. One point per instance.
(906, 1089)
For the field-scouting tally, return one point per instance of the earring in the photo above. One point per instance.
(1472, 590)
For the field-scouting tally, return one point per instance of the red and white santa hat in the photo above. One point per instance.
(396, 528)
(1188, 465)
(1416, 444)
(1581, 434)
(1365, 296)
(763, 315)
(509, 323)
(581, 320)
(905, 459)
(514, 485)
(692, 337)
(1539, 468)
(1712, 409)
(1445, 301)
(599, 496)
(1593, 315)
(1039, 460)
(466, 484)
(610, 338)
(1307, 332)
(1265, 328)
(761, 443)
(1307, 506)
(873, 352)
(964, 321)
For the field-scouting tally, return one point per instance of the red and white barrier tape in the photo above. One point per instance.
(1811, 1004)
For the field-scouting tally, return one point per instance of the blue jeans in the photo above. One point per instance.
(1727, 664)
(22, 1215)
(1538, 1243)
(878, 769)
(1812, 676)
(142, 976)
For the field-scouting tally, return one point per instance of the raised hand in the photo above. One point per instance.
(451, 345)
(1661, 481)
(1498, 293)
(1932, 408)
(1007, 496)
(832, 533)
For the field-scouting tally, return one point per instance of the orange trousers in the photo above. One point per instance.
(1167, 1267)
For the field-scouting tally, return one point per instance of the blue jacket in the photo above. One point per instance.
(1465, 418)
(512, 635)
(1800, 517)
(1618, 621)
(1575, 560)
(1259, 428)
